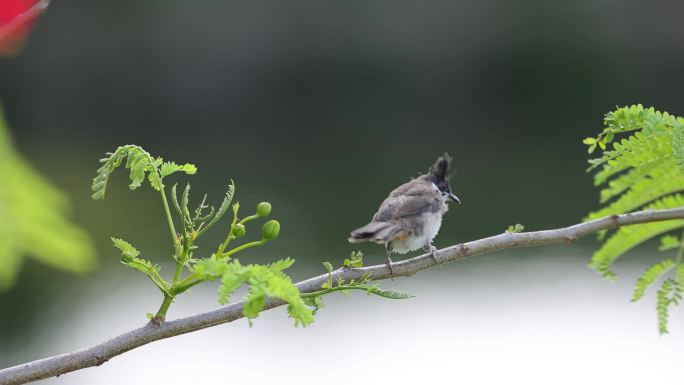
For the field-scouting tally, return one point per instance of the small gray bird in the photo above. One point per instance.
(411, 215)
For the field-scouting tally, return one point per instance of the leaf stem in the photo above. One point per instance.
(169, 219)
(158, 281)
(680, 251)
(177, 273)
(186, 284)
(180, 254)
(249, 218)
(242, 247)
(333, 289)
(222, 246)
(161, 313)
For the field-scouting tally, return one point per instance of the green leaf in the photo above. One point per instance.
(669, 242)
(663, 302)
(234, 276)
(644, 170)
(139, 162)
(141, 165)
(224, 207)
(391, 294)
(129, 257)
(661, 183)
(638, 150)
(679, 275)
(168, 168)
(254, 302)
(264, 281)
(279, 285)
(328, 284)
(185, 198)
(634, 177)
(591, 148)
(602, 143)
(281, 265)
(628, 237)
(678, 147)
(209, 268)
(200, 217)
(649, 276)
(354, 261)
(35, 220)
(517, 228)
(127, 250)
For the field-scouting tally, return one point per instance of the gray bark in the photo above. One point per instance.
(99, 354)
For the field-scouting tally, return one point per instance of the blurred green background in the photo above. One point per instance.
(322, 108)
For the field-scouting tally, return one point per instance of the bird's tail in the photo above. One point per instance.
(378, 232)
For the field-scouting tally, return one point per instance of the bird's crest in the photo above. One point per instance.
(440, 170)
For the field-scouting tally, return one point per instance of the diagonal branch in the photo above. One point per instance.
(99, 354)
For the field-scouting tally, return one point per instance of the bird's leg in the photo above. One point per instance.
(432, 250)
(389, 259)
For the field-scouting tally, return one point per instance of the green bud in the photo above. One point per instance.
(270, 230)
(238, 230)
(126, 258)
(263, 209)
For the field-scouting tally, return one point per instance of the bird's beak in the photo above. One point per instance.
(454, 198)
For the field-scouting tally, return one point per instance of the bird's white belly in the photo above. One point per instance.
(415, 242)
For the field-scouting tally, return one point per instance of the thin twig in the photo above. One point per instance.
(99, 354)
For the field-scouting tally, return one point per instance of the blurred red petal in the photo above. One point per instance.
(16, 19)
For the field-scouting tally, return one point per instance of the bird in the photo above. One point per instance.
(411, 216)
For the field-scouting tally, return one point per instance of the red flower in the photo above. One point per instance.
(16, 19)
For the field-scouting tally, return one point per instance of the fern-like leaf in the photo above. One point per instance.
(129, 257)
(233, 277)
(209, 268)
(663, 301)
(662, 182)
(227, 199)
(391, 294)
(678, 144)
(168, 168)
(263, 281)
(626, 180)
(127, 250)
(140, 163)
(628, 237)
(644, 170)
(638, 150)
(669, 242)
(649, 276)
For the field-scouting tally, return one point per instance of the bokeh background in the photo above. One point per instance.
(321, 108)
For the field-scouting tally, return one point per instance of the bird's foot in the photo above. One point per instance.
(389, 266)
(433, 254)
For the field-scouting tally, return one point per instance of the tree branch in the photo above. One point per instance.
(99, 354)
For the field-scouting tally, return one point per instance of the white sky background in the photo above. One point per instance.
(525, 317)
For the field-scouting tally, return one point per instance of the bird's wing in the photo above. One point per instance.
(412, 198)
